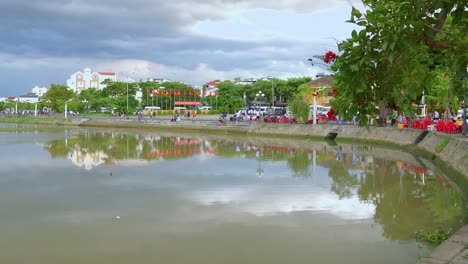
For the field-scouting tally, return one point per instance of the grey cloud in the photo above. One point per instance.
(62, 35)
(116, 26)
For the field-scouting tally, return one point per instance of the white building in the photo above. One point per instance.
(158, 80)
(29, 98)
(246, 81)
(80, 81)
(39, 91)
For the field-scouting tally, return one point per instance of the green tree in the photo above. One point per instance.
(230, 97)
(56, 97)
(94, 98)
(300, 106)
(393, 54)
(289, 88)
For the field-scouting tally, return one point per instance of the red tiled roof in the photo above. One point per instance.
(326, 80)
(107, 73)
(213, 83)
(11, 98)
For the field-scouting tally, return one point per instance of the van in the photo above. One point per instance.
(149, 109)
(205, 108)
(321, 110)
(180, 108)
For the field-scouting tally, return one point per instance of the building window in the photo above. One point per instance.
(81, 84)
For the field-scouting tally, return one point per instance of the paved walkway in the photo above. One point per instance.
(453, 251)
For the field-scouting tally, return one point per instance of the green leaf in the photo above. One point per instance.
(385, 46)
(354, 67)
(355, 13)
(362, 23)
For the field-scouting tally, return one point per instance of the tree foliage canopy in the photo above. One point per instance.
(393, 56)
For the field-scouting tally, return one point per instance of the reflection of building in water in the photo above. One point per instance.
(87, 160)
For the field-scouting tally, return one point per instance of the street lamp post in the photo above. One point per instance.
(257, 95)
(66, 108)
(314, 116)
(127, 99)
(84, 107)
(48, 106)
(272, 93)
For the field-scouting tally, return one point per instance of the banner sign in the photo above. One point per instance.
(187, 103)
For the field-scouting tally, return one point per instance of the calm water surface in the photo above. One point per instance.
(84, 196)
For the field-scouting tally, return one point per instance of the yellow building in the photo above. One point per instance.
(325, 95)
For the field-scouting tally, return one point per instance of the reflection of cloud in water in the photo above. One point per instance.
(205, 157)
(263, 202)
(131, 163)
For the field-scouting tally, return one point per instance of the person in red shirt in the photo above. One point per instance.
(330, 114)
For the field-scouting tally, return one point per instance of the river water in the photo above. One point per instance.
(90, 196)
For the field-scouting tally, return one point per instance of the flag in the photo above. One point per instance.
(147, 91)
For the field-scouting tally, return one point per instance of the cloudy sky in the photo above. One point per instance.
(45, 41)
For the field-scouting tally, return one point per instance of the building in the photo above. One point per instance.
(249, 81)
(326, 91)
(29, 98)
(39, 91)
(211, 87)
(158, 80)
(80, 81)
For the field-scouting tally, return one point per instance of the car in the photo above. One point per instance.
(205, 108)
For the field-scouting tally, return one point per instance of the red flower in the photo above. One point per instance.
(330, 56)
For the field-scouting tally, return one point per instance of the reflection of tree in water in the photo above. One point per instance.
(300, 163)
(404, 204)
(444, 202)
(343, 181)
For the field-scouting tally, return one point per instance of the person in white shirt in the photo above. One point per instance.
(436, 115)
